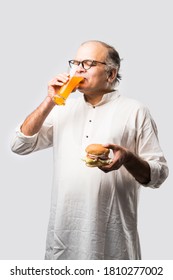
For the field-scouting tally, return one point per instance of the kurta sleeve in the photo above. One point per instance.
(22, 144)
(149, 149)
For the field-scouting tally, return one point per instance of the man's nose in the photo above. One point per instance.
(80, 68)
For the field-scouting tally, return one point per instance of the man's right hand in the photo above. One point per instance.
(56, 83)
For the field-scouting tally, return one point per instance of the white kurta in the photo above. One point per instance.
(94, 214)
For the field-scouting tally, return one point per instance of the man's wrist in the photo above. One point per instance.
(128, 157)
(49, 101)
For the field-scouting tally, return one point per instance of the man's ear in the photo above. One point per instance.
(112, 75)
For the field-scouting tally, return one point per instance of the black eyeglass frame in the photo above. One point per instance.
(93, 63)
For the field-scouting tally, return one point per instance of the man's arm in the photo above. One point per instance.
(34, 121)
(139, 168)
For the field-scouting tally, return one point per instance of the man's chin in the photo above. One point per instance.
(81, 89)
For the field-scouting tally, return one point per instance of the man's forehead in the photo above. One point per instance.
(92, 50)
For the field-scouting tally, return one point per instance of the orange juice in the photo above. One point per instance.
(62, 94)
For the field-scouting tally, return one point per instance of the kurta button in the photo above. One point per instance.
(90, 120)
(94, 107)
(86, 136)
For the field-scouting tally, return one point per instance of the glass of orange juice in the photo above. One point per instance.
(62, 94)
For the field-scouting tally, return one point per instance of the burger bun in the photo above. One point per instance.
(97, 155)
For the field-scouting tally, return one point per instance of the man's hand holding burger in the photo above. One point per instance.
(135, 165)
(121, 155)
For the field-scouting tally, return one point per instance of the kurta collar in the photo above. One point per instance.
(107, 97)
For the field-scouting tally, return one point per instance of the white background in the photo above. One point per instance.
(37, 40)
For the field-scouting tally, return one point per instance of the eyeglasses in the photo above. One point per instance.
(86, 64)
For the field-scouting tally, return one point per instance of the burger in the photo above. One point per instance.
(97, 155)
